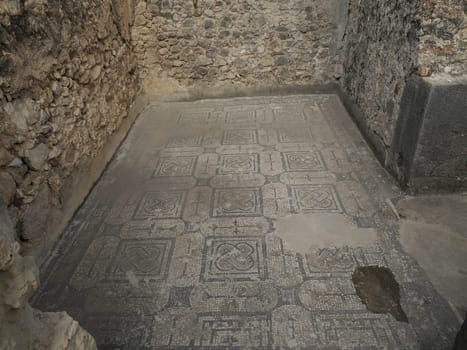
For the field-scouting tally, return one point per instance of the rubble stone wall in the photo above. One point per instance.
(389, 41)
(250, 42)
(443, 38)
(67, 79)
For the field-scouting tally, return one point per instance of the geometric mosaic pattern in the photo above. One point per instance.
(295, 135)
(239, 137)
(237, 202)
(303, 161)
(316, 198)
(234, 258)
(235, 331)
(239, 164)
(161, 205)
(176, 246)
(143, 258)
(177, 166)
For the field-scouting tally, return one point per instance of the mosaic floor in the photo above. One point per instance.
(184, 242)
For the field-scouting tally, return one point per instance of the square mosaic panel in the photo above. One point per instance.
(235, 331)
(329, 259)
(185, 141)
(241, 116)
(144, 258)
(294, 135)
(161, 205)
(288, 115)
(317, 198)
(239, 137)
(198, 116)
(239, 164)
(237, 202)
(234, 259)
(175, 166)
(304, 161)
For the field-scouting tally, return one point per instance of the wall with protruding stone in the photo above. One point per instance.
(222, 42)
(67, 80)
(398, 57)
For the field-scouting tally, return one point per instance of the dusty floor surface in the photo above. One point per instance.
(434, 232)
(237, 224)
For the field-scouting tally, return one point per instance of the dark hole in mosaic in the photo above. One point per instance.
(379, 291)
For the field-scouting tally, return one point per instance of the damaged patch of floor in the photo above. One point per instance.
(237, 224)
(379, 291)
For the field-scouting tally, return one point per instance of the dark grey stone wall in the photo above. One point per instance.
(430, 144)
(429, 149)
(416, 126)
(380, 52)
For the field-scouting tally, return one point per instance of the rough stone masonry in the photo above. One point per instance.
(244, 42)
(67, 78)
(388, 44)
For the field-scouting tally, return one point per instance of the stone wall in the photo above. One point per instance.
(249, 42)
(21, 327)
(380, 52)
(67, 79)
(388, 46)
(443, 37)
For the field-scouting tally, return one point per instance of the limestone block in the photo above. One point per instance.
(36, 157)
(18, 283)
(10, 7)
(60, 332)
(5, 156)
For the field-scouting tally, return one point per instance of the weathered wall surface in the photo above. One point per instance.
(245, 41)
(443, 37)
(389, 44)
(67, 78)
(380, 52)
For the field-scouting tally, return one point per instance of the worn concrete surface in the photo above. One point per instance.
(196, 236)
(434, 232)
